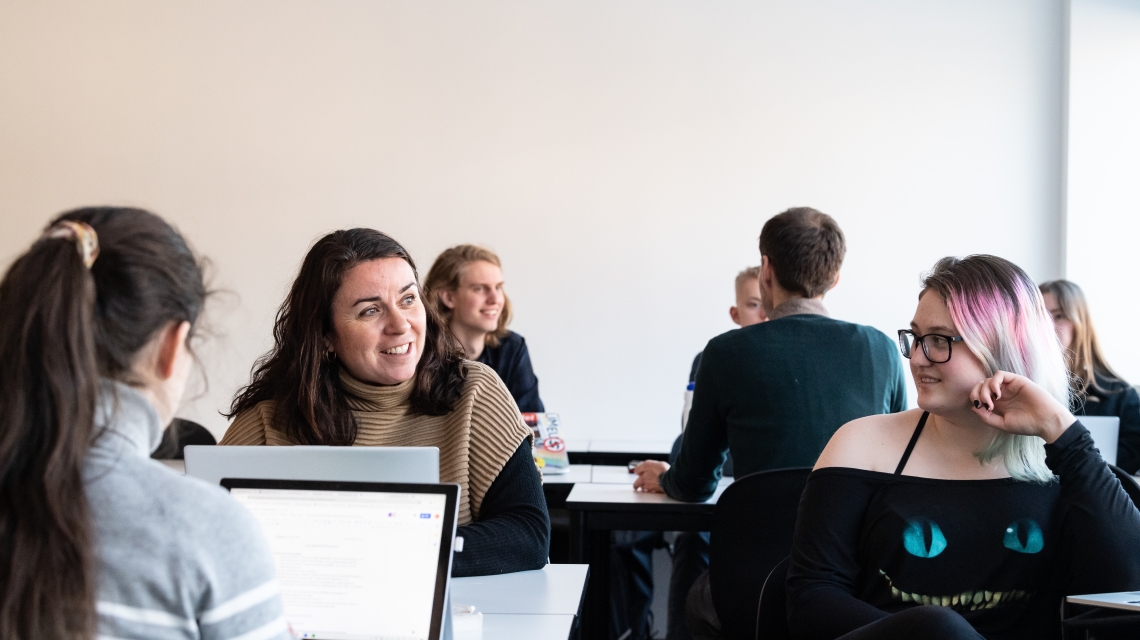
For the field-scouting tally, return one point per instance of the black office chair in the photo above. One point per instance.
(1131, 487)
(179, 434)
(772, 613)
(751, 533)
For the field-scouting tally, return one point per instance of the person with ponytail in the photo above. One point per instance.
(973, 515)
(96, 539)
(1097, 389)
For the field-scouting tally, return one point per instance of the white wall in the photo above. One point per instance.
(1104, 171)
(621, 156)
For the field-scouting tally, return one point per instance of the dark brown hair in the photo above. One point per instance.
(805, 249)
(445, 274)
(303, 382)
(62, 327)
(1084, 357)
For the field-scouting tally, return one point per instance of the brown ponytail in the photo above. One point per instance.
(62, 326)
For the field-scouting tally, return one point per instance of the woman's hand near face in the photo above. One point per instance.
(1017, 405)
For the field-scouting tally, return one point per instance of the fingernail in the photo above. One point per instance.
(987, 407)
(977, 404)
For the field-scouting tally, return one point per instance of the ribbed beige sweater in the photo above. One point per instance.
(475, 440)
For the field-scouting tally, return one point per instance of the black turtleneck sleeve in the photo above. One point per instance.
(513, 529)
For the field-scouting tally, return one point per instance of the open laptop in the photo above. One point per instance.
(355, 560)
(1105, 432)
(1128, 600)
(346, 464)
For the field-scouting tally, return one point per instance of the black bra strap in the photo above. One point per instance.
(910, 445)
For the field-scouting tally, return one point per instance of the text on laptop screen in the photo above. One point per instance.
(352, 565)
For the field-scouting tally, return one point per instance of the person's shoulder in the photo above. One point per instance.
(491, 404)
(187, 508)
(252, 425)
(873, 443)
(483, 384)
(513, 339)
(1111, 385)
(478, 375)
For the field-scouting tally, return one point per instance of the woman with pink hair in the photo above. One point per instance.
(973, 515)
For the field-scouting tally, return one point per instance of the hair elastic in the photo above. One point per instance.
(84, 236)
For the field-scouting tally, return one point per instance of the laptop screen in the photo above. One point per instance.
(354, 565)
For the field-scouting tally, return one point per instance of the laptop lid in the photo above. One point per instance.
(357, 561)
(1105, 432)
(345, 464)
(1129, 600)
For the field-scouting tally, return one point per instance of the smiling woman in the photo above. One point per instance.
(359, 359)
(973, 515)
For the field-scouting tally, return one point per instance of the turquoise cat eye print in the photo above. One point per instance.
(915, 539)
(1024, 536)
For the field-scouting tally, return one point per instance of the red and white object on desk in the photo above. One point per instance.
(549, 446)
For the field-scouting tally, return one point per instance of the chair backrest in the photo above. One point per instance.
(772, 612)
(1131, 487)
(752, 531)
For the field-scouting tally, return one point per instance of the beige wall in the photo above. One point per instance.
(621, 156)
(1104, 171)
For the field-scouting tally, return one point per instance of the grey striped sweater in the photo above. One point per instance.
(177, 558)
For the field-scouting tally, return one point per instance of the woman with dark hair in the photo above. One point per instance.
(1097, 389)
(465, 287)
(972, 516)
(96, 538)
(359, 359)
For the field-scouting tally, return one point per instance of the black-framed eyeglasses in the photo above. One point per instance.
(936, 346)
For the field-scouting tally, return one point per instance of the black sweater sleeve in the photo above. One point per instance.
(825, 566)
(513, 530)
(1101, 526)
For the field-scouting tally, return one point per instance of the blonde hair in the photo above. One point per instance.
(445, 274)
(750, 273)
(1084, 357)
(1002, 319)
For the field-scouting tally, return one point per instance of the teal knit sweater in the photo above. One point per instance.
(774, 393)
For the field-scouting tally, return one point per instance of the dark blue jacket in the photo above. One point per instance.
(511, 361)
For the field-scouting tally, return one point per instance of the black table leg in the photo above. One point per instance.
(577, 537)
(596, 616)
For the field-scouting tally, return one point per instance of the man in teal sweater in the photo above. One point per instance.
(774, 393)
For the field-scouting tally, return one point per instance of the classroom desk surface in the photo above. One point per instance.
(610, 491)
(620, 452)
(612, 474)
(506, 626)
(597, 509)
(578, 473)
(556, 589)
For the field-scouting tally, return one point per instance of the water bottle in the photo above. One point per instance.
(688, 404)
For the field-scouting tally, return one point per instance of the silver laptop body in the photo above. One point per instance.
(1105, 433)
(344, 464)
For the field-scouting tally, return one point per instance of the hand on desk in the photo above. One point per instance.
(647, 474)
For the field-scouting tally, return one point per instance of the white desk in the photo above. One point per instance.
(578, 473)
(659, 446)
(596, 509)
(556, 589)
(611, 474)
(505, 626)
(609, 489)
